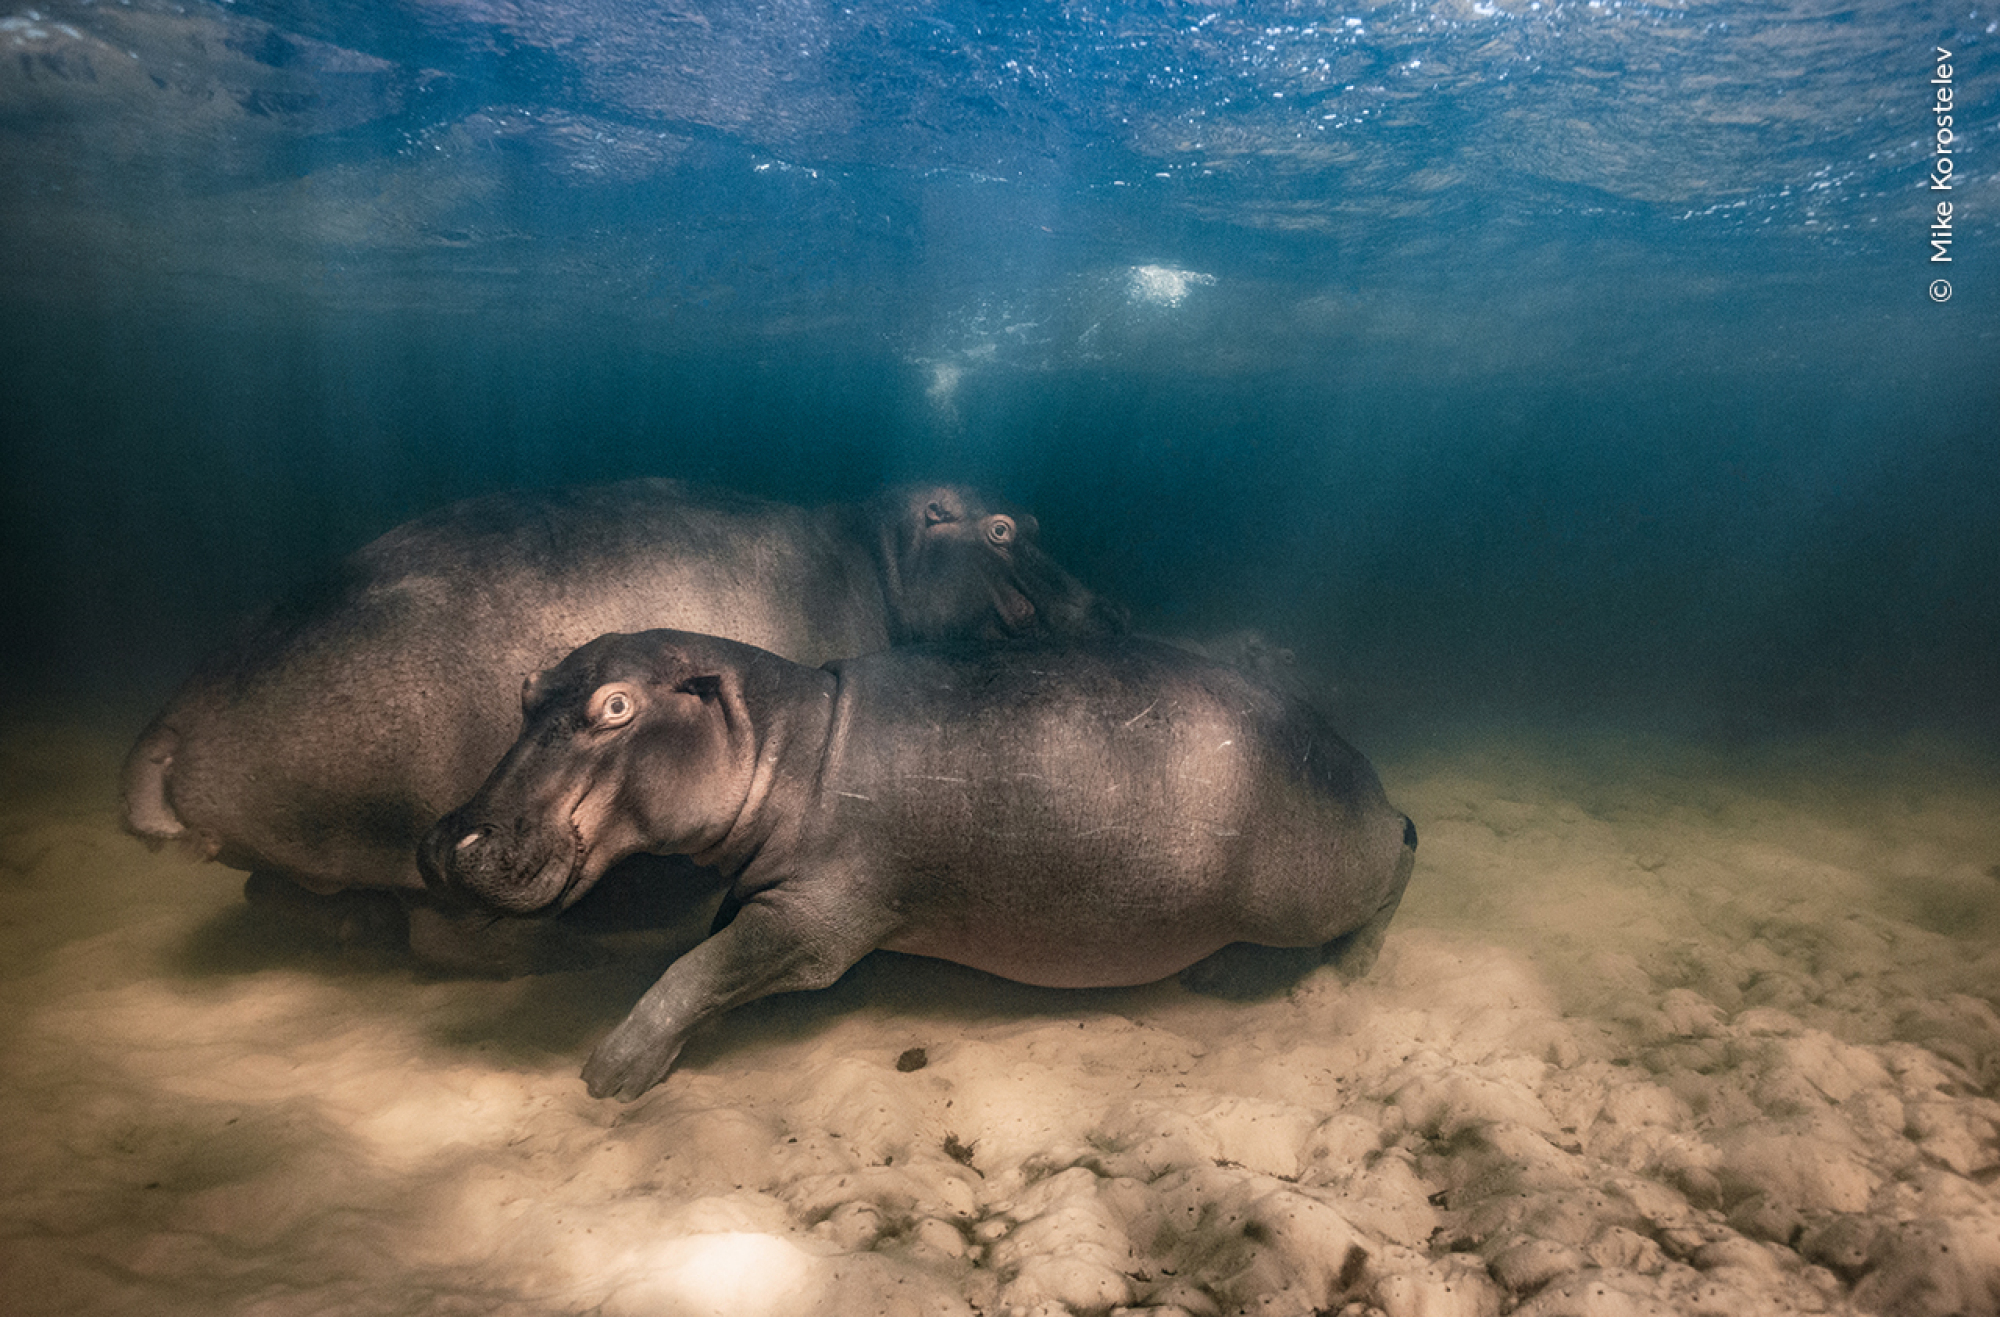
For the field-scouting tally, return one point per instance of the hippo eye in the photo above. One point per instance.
(613, 706)
(1000, 530)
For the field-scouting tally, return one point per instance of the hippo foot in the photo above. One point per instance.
(645, 906)
(479, 946)
(630, 1060)
(356, 920)
(1352, 955)
(1245, 971)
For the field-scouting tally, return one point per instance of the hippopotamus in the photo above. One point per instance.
(321, 743)
(1072, 815)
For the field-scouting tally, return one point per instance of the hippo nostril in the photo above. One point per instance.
(472, 838)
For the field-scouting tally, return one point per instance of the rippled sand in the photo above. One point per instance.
(1659, 1030)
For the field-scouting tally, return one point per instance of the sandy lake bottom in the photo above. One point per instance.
(1661, 1028)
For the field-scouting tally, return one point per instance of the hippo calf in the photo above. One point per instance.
(321, 744)
(1073, 816)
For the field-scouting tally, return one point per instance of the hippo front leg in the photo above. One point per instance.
(771, 946)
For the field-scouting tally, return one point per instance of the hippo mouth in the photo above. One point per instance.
(580, 878)
(541, 862)
(535, 878)
(513, 870)
(562, 871)
(1016, 610)
(1037, 596)
(582, 874)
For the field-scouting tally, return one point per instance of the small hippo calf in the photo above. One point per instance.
(1086, 816)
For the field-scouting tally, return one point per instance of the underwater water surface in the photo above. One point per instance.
(1521, 351)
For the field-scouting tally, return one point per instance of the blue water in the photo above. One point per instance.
(1490, 355)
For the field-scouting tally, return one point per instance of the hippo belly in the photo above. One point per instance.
(1084, 952)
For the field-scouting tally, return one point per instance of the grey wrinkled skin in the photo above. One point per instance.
(1084, 815)
(321, 744)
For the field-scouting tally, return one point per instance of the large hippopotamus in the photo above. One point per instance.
(1079, 815)
(321, 744)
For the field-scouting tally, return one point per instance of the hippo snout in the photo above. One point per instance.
(517, 869)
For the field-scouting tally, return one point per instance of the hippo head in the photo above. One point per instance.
(626, 745)
(955, 566)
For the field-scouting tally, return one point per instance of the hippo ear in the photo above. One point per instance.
(708, 686)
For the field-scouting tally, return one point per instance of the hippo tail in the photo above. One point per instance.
(149, 814)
